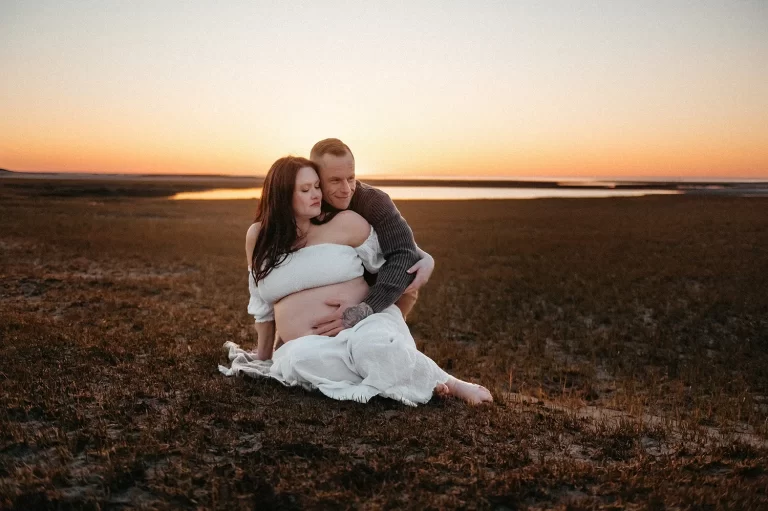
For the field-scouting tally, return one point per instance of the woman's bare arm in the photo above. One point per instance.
(265, 331)
(265, 334)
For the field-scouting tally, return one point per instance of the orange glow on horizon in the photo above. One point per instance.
(656, 158)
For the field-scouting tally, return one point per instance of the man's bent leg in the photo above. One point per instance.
(406, 302)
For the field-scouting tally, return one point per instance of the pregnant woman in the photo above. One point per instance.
(296, 264)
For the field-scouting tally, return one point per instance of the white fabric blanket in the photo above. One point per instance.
(376, 357)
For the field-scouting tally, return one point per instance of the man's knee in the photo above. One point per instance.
(406, 302)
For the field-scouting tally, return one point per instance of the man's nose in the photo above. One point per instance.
(345, 188)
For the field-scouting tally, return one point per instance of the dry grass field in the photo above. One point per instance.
(625, 341)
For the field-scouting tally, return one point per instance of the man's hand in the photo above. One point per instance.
(423, 270)
(346, 315)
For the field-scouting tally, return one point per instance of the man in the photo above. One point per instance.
(407, 267)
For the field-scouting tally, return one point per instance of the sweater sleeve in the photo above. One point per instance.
(397, 245)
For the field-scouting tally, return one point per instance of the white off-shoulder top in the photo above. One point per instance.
(309, 267)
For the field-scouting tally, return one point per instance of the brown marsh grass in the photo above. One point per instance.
(625, 340)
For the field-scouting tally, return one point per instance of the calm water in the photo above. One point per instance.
(443, 193)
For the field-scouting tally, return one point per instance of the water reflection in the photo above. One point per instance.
(444, 193)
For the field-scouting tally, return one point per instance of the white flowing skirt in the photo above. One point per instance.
(376, 357)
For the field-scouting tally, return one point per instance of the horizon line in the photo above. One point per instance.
(391, 177)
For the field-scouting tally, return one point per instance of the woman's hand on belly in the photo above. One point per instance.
(296, 314)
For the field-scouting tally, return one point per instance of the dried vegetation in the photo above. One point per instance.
(625, 340)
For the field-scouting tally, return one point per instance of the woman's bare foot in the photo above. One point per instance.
(469, 392)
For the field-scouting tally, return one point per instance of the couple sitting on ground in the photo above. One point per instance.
(317, 231)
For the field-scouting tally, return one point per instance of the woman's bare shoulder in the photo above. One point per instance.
(353, 228)
(349, 217)
(253, 232)
(250, 241)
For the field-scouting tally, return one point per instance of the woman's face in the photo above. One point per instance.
(307, 194)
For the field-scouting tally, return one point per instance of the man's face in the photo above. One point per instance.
(337, 179)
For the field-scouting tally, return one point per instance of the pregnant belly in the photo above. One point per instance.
(296, 314)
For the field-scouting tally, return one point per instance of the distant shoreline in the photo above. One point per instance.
(211, 181)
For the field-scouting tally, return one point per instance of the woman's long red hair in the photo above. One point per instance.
(278, 233)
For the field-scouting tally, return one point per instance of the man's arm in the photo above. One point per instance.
(397, 246)
(399, 250)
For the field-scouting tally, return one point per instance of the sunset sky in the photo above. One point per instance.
(518, 89)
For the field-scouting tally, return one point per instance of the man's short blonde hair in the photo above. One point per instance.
(332, 146)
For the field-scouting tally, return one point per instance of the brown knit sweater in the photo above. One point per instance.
(397, 244)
